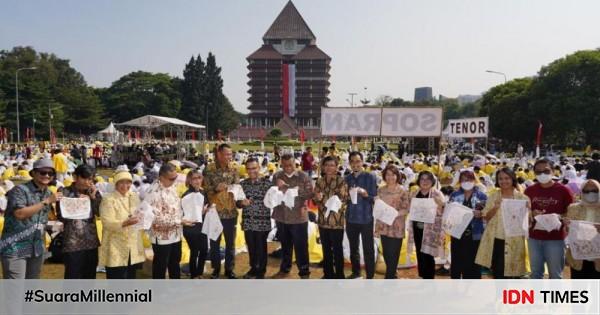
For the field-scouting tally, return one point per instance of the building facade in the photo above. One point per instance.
(288, 76)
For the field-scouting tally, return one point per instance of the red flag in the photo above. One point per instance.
(302, 135)
(539, 133)
(193, 135)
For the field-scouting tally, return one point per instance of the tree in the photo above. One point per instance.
(54, 93)
(507, 106)
(202, 93)
(142, 93)
(566, 98)
(275, 132)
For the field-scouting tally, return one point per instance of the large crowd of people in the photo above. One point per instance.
(278, 195)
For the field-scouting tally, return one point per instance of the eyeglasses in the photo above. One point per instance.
(590, 191)
(547, 172)
(46, 173)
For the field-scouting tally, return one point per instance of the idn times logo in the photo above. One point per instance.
(514, 296)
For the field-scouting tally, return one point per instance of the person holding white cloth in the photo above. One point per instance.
(331, 219)
(394, 195)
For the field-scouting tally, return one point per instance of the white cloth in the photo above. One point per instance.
(193, 205)
(547, 222)
(237, 191)
(422, 210)
(584, 240)
(333, 204)
(212, 226)
(273, 198)
(515, 217)
(145, 215)
(354, 195)
(384, 212)
(456, 219)
(75, 208)
(290, 196)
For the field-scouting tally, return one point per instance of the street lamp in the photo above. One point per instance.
(17, 92)
(33, 130)
(496, 72)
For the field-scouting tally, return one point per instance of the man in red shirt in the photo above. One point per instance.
(545, 247)
(308, 162)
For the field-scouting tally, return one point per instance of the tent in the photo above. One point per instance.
(109, 133)
(152, 121)
(110, 130)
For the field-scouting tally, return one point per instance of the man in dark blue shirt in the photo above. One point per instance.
(359, 216)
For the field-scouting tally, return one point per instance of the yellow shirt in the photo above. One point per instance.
(60, 163)
(489, 169)
(119, 243)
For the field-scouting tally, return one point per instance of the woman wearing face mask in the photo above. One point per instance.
(192, 231)
(428, 236)
(504, 255)
(391, 236)
(586, 210)
(464, 250)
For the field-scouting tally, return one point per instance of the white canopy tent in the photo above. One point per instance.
(152, 121)
(109, 132)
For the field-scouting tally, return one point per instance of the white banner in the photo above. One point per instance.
(468, 128)
(387, 121)
(364, 121)
(412, 122)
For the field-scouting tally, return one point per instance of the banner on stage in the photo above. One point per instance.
(468, 128)
(387, 121)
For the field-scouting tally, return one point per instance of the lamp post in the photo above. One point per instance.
(50, 123)
(33, 130)
(497, 72)
(17, 94)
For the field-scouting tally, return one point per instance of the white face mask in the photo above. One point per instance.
(467, 185)
(544, 178)
(590, 197)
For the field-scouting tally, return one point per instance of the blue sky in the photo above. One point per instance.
(391, 47)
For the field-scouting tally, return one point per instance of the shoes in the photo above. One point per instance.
(214, 276)
(249, 275)
(231, 275)
(354, 276)
(305, 276)
(281, 275)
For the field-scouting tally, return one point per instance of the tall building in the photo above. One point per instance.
(289, 76)
(423, 94)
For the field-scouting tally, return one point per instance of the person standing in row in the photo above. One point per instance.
(464, 249)
(331, 223)
(80, 238)
(391, 236)
(122, 249)
(588, 209)
(292, 222)
(547, 248)
(504, 255)
(359, 216)
(25, 218)
(217, 178)
(196, 240)
(428, 235)
(166, 230)
(256, 218)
